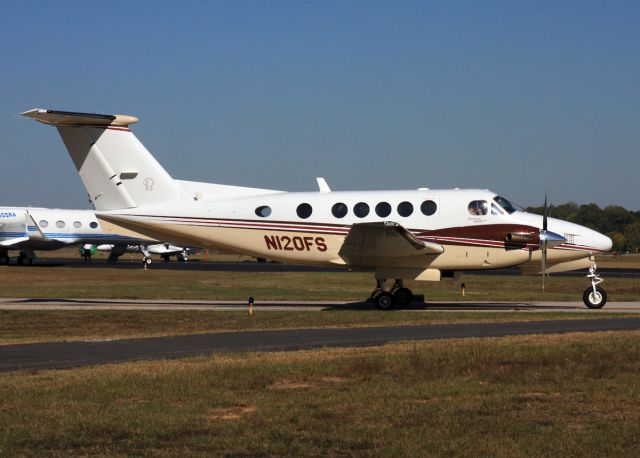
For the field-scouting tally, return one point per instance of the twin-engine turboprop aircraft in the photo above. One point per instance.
(423, 234)
(29, 229)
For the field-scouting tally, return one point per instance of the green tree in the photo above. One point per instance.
(616, 218)
(591, 216)
(619, 241)
(632, 236)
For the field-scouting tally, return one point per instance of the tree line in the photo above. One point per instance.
(620, 224)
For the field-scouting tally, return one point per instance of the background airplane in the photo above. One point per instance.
(29, 229)
(422, 234)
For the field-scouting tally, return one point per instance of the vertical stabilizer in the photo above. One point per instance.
(116, 169)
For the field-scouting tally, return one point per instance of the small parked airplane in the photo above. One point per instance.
(27, 229)
(423, 234)
(164, 250)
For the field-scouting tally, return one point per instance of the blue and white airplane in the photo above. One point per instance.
(29, 229)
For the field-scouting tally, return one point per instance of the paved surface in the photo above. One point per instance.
(146, 304)
(74, 354)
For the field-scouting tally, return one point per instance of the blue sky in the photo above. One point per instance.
(517, 97)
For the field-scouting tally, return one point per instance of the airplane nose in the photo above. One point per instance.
(603, 242)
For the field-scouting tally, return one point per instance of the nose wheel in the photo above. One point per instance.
(594, 296)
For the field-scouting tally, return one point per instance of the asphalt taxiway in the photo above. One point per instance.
(61, 355)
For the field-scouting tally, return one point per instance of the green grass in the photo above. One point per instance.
(26, 326)
(570, 395)
(103, 282)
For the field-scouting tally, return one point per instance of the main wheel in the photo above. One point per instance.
(403, 296)
(385, 301)
(594, 300)
(28, 261)
(4, 260)
(20, 260)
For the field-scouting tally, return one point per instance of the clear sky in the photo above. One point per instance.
(517, 97)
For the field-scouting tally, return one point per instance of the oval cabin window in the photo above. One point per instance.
(383, 209)
(339, 210)
(405, 208)
(361, 209)
(263, 211)
(428, 207)
(304, 211)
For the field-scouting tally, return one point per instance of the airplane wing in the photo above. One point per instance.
(369, 244)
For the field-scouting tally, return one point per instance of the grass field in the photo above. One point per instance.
(105, 282)
(569, 395)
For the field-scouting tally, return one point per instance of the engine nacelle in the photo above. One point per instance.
(519, 237)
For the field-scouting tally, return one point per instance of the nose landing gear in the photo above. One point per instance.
(594, 296)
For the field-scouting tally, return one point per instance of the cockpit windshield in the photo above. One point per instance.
(505, 204)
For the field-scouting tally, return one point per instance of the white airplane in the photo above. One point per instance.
(164, 250)
(423, 234)
(29, 229)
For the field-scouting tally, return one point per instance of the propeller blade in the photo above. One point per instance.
(545, 213)
(543, 244)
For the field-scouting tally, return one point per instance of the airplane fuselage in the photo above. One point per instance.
(310, 227)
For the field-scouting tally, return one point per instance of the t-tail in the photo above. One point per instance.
(116, 169)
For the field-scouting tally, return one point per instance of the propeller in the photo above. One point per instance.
(548, 239)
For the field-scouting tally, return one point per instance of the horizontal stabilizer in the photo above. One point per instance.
(70, 118)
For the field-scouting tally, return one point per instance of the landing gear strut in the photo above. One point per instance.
(386, 300)
(594, 296)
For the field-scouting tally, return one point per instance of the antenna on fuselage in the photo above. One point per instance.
(322, 185)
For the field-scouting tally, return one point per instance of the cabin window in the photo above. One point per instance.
(44, 223)
(77, 224)
(428, 207)
(304, 211)
(361, 209)
(339, 210)
(60, 224)
(478, 207)
(383, 209)
(93, 225)
(495, 210)
(263, 211)
(405, 208)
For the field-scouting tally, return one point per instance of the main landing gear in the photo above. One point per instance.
(385, 299)
(594, 296)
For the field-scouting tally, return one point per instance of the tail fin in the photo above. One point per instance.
(117, 170)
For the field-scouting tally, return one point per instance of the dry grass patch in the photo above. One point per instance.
(556, 395)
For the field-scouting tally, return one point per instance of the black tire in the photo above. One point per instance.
(20, 260)
(28, 261)
(4, 260)
(403, 296)
(594, 301)
(385, 301)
